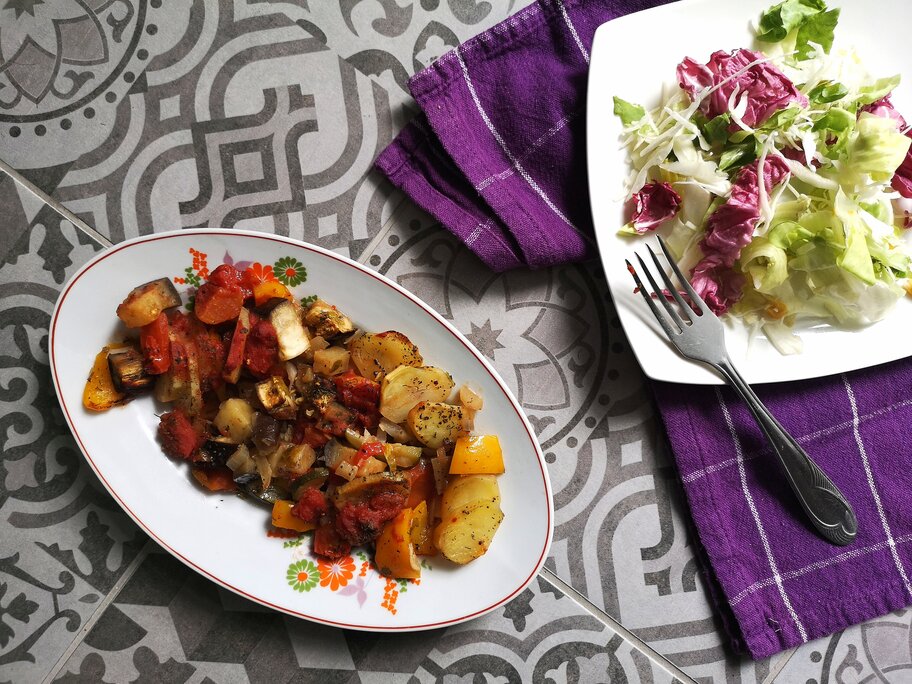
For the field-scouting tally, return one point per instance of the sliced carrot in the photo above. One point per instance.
(214, 304)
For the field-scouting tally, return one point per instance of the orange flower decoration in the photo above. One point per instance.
(336, 574)
(261, 273)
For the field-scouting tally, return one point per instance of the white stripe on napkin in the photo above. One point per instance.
(506, 150)
(870, 477)
(753, 509)
(579, 43)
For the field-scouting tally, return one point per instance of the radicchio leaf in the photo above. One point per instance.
(654, 204)
(766, 89)
(728, 230)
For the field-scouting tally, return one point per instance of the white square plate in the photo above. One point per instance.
(632, 57)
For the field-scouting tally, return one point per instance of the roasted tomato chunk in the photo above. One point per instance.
(262, 349)
(361, 522)
(311, 506)
(329, 544)
(178, 435)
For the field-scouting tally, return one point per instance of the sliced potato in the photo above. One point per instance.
(293, 338)
(462, 538)
(436, 424)
(408, 386)
(235, 420)
(331, 361)
(147, 301)
(376, 354)
(463, 494)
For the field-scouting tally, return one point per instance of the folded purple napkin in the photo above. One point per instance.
(498, 156)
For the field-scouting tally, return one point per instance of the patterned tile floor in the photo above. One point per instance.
(142, 115)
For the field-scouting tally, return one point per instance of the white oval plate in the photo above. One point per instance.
(632, 57)
(223, 536)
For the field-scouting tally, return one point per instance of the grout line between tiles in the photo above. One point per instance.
(657, 658)
(102, 607)
(777, 669)
(54, 204)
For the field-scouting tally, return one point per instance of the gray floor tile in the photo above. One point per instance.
(223, 114)
(170, 624)
(390, 42)
(65, 541)
(877, 651)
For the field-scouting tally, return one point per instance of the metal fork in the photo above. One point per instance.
(701, 337)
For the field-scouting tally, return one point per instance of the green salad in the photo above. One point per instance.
(781, 178)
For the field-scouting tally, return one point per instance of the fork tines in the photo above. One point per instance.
(687, 312)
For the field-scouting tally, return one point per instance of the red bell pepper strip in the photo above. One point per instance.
(156, 345)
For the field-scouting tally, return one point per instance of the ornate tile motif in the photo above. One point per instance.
(169, 624)
(164, 144)
(65, 541)
(877, 651)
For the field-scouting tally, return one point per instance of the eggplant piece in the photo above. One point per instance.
(254, 489)
(365, 488)
(292, 337)
(147, 301)
(321, 393)
(327, 321)
(276, 398)
(215, 452)
(128, 371)
(265, 432)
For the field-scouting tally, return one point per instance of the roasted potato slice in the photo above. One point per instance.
(331, 361)
(147, 301)
(235, 420)
(462, 538)
(408, 386)
(463, 494)
(376, 354)
(436, 424)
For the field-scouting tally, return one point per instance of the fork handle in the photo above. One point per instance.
(824, 504)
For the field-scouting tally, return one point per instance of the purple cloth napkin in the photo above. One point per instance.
(498, 156)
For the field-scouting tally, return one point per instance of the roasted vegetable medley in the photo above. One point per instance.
(343, 432)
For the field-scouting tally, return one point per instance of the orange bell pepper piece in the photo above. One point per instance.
(477, 455)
